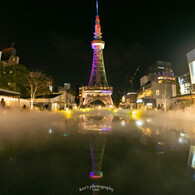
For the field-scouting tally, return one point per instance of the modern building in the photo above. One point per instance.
(185, 84)
(8, 56)
(98, 88)
(157, 87)
(191, 64)
(129, 100)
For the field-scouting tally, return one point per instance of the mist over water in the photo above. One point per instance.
(16, 124)
(140, 148)
(34, 120)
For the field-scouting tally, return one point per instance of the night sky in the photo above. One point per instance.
(56, 38)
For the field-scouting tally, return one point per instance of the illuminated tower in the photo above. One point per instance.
(98, 73)
(98, 88)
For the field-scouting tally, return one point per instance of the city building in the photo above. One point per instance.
(98, 88)
(56, 101)
(185, 84)
(191, 64)
(66, 86)
(12, 99)
(157, 87)
(8, 56)
(69, 98)
(51, 101)
(129, 100)
(186, 98)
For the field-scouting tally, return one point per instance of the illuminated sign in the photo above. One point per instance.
(104, 91)
(98, 91)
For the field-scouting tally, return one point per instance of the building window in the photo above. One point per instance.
(157, 92)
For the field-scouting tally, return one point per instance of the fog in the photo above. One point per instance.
(19, 122)
(38, 137)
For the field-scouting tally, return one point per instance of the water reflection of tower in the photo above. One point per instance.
(97, 128)
(97, 145)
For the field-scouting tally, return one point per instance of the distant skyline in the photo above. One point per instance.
(56, 38)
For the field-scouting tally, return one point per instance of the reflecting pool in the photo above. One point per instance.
(97, 152)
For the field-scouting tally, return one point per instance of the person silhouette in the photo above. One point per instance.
(2, 103)
(46, 106)
(24, 106)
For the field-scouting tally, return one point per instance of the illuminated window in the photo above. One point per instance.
(157, 92)
(159, 78)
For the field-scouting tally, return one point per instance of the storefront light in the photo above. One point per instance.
(139, 101)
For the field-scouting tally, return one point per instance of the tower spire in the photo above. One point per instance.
(97, 7)
(97, 33)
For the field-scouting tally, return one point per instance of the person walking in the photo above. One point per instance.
(2, 103)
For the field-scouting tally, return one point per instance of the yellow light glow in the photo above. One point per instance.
(147, 131)
(68, 114)
(136, 114)
(115, 110)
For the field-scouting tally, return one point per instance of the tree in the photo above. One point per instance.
(13, 77)
(16, 77)
(37, 84)
(164, 97)
(2, 76)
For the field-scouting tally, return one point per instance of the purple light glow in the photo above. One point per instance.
(106, 129)
(105, 91)
(94, 175)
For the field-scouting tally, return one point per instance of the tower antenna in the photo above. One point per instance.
(97, 7)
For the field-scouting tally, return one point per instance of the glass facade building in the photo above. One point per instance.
(192, 71)
(191, 63)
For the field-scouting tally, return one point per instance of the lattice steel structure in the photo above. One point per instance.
(97, 128)
(98, 88)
